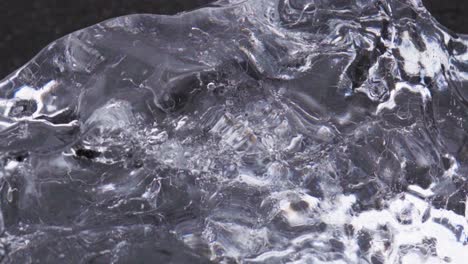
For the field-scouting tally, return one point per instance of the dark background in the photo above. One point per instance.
(26, 26)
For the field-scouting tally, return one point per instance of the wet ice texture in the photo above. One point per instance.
(292, 131)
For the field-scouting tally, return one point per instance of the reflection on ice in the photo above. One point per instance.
(258, 131)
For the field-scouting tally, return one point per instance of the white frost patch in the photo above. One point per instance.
(399, 87)
(425, 193)
(337, 211)
(447, 244)
(251, 180)
(294, 144)
(181, 123)
(107, 187)
(428, 61)
(11, 165)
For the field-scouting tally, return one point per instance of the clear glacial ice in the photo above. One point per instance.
(258, 131)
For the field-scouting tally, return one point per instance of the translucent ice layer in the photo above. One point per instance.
(258, 131)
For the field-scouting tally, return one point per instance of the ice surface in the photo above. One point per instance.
(258, 131)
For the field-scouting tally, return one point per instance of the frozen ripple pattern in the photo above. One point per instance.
(258, 131)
